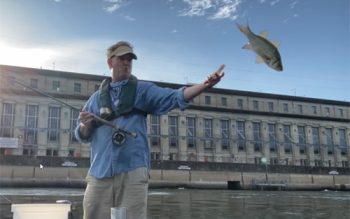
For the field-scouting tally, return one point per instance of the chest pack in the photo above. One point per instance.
(126, 101)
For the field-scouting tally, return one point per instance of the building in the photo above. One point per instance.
(221, 125)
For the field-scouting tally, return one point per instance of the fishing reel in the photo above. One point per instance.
(118, 138)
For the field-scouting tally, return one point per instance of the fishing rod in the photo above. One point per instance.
(7, 199)
(118, 137)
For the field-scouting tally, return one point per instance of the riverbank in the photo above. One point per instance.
(153, 184)
(73, 177)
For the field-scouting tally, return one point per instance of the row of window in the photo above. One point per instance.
(241, 140)
(31, 151)
(56, 85)
(226, 141)
(30, 134)
(300, 108)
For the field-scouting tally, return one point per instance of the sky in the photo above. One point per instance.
(183, 41)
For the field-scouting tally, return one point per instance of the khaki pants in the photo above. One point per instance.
(123, 190)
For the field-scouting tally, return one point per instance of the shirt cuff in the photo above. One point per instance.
(183, 104)
(79, 138)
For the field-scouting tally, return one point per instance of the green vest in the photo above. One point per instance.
(126, 99)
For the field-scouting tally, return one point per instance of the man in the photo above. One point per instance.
(119, 169)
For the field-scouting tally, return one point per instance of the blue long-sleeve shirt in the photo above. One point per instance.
(108, 159)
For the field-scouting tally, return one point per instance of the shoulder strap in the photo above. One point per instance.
(106, 111)
(127, 97)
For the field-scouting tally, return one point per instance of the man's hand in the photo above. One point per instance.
(215, 77)
(85, 118)
(85, 126)
(195, 90)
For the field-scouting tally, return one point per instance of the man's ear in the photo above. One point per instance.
(109, 62)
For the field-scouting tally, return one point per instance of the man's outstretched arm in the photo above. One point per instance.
(213, 79)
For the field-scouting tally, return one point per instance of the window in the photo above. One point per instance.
(272, 138)
(241, 135)
(155, 155)
(304, 162)
(28, 151)
(240, 103)
(208, 133)
(257, 160)
(327, 111)
(7, 120)
(56, 85)
(48, 152)
(54, 124)
(318, 163)
(225, 138)
(74, 113)
(329, 163)
(302, 139)
(77, 87)
(71, 153)
(340, 113)
(207, 100)
(285, 107)
(155, 130)
(224, 101)
(314, 110)
(342, 142)
(270, 104)
(329, 140)
(345, 163)
(191, 132)
(300, 109)
(256, 136)
(287, 139)
(286, 161)
(273, 161)
(34, 83)
(255, 105)
(31, 125)
(172, 156)
(52, 152)
(316, 140)
(173, 131)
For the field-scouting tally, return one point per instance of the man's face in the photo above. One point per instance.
(121, 66)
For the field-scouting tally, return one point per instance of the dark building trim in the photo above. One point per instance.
(271, 114)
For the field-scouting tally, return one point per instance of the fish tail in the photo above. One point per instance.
(243, 29)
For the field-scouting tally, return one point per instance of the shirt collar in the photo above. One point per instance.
(116, 84)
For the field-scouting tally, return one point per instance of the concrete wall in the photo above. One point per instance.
(42, 173)
(246, 178)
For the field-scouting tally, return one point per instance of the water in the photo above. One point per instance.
(185, 203)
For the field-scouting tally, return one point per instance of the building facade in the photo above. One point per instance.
(220, 125)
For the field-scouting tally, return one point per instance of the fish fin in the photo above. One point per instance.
(259, 60)
(264, 34)
(248, 46)
(276, 43)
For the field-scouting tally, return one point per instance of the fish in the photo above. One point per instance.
(266, 51)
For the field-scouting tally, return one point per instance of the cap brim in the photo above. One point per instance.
(124, 53)
(123, 50)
